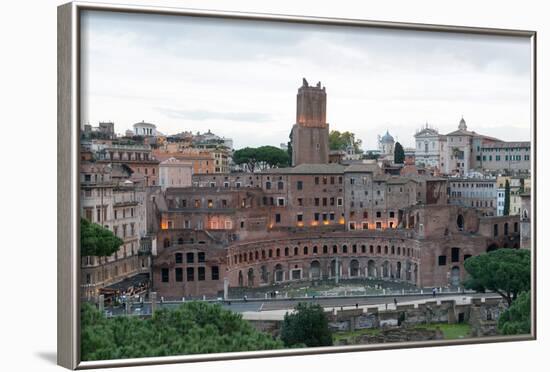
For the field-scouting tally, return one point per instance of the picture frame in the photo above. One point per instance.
(68, 234)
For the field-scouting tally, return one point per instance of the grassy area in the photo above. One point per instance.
(450, 331)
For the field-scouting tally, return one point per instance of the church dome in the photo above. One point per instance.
(387, 138)
(462, 124)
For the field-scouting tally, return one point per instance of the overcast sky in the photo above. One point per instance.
(240, 78)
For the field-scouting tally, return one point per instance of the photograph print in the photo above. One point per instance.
(254, 185)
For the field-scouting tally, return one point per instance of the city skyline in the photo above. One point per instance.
(241, 80)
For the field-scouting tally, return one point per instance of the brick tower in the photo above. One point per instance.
(310, 133)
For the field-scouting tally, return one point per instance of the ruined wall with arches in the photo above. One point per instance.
(268, 262)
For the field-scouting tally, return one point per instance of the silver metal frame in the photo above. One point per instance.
(68, 162)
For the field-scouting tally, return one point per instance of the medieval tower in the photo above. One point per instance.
(310, 133)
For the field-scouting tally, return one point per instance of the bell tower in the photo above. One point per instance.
(310, 133)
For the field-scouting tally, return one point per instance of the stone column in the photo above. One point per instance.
(225, 288)
(101, 303)
(153, 296)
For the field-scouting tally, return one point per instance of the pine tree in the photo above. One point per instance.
(506, 198)
(398, 154)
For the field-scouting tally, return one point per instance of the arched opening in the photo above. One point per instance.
(398, 270)
(250, 277)
(408, 271)
(385, 269)
(241, 280)
(333, 268)
(264, 275)
(315, 270)
(506, 228)
(279, 274)
(455, 276)
(354, 268)
(371, 269)
(460, 222)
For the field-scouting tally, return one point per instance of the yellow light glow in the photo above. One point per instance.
(300, 224)
(325, 222)
(314, 223)
(164, 225)
(342, 221)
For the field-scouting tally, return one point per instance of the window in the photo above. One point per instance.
(280, 185)
(378, 214)
(179, 258)
(316, 200)
(495, 229)
(165, 274)
(268, 185)
(392, 214)
(215, 273)
(442, 260)
(201, 257)
(300, 217)
(202, 273)
(455, 254)
(277, 218)
(190, 274)
(190, 257)
(316, 180)
(179, 274)
(299, 185)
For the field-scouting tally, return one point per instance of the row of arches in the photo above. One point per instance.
(236, 258)
(327, 269)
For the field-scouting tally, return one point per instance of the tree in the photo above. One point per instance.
(506, 198)
(504, 271)
(96, 240)
(308, 326)
(341, 140)
(192, 328)
(517, 318)
(263, 157)
(398, 154)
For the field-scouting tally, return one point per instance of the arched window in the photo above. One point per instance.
(305, 251)
(460, 222)
(295, 251)
(286, 251)
(506, 228)
(314, 249)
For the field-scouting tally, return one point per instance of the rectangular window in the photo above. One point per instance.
(179, 274)
(190, 257)
(299, 185)
(215, 273)
(316, 200)
(202, 273)
(165, 274)
(202, 257)
(316, 180)
(442, 260)
(316, 216)
(190, 274)
(455, 254)
(277, 218)
(299, 217)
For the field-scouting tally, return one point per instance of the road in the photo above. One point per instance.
(241, 306)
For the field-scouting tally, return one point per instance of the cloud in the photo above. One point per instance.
(203, 115)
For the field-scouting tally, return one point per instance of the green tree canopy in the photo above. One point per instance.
(96, 240)
(398, 154)
(504, 271)
(341, 140)
(308, 326)
(517, 318)
(263, 157)
(192, 328)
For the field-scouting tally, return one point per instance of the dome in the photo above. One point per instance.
(387, 138)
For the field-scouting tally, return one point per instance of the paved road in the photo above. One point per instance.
(241, 306)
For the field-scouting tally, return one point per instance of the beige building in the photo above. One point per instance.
(111, 200)
(175, 173)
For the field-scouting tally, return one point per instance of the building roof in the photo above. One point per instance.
(363, 167)
(493, 145)
(331, 168)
